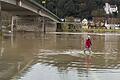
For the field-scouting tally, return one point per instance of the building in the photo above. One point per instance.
(85, 23)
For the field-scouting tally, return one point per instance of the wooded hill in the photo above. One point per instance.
(79, 8)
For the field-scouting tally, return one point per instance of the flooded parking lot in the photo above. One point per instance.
(36, 56)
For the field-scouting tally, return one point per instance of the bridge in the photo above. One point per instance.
(26, 15)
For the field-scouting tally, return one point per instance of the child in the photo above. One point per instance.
(88, 44)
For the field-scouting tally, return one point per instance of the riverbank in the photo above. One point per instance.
(93, 30)
(101, 30)
(74, 33)
(82, 31)
(78, 28)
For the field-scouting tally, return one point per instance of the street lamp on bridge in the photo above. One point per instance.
(44, 2)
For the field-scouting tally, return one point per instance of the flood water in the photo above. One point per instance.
(36, 56)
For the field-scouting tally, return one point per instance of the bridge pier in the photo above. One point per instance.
(0, 17)
(12, 23)
(43, 25)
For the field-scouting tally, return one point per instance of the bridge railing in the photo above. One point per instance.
(46, 11)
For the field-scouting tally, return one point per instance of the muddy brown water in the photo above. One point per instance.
(35, 56)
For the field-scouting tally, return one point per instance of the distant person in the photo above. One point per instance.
(88, 45)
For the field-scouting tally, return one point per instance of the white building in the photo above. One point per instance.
(85, 23)
(112, 26)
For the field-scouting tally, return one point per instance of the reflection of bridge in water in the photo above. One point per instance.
(26, 15)
(13, 60)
